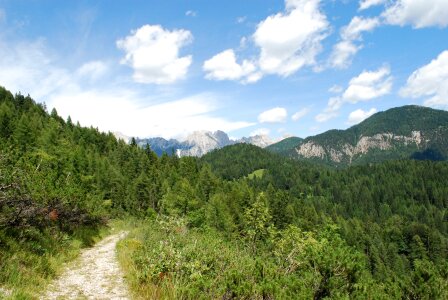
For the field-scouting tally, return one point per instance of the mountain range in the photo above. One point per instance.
(403, 132)
(199, 143)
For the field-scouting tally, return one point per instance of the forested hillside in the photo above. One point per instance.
(298, 231)
(206, 229)
(59, 184)
(398, 133)
(285, 146)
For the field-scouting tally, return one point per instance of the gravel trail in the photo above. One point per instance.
(94, 275)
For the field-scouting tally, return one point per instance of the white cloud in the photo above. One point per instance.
(342, 54)
(336, 89)
(92, 70)
(274, 115)
(300, 114)
(260, 131)
(153, 53)
(223, 66)
(29, 68)
(365, 4)
(368, 85)
(418, 13)
(111, 105)
(430, 81)
(345, 49)
(357, 26)
(119, 112)
(254, 77)
(291, 40)
(191, 13)
(360, 115)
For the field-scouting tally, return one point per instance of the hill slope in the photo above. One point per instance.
(285, 145)
(403, 132)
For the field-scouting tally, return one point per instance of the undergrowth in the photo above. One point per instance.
(164, 259)
(29, 261)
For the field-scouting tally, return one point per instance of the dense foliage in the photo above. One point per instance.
(373, 231)
(239, 223)
(178, 262)
(285, 146)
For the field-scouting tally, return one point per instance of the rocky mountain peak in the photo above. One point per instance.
(261, 141)
(202, 142)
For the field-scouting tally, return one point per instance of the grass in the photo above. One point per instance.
(31, 260)
(126, 251)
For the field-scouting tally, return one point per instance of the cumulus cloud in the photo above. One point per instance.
(300, 114)
(153, 53)
(365, 4)
(418, 13)
(223, 66)
(289, 40)
(430, 81)
(360, 115)
(342, 54)
(110, 105)
(369, 85)
(347, 47)
(274, 115)
(366, 86)
(357, 26)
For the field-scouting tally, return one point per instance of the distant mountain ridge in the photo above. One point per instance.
(400, 132)
(199, 143)
(160, 145)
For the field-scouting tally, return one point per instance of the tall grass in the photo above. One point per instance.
(30, 260)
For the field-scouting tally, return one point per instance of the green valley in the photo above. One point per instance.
(239, 223)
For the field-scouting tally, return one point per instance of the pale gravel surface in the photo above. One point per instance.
(94, 275)
(4, 292)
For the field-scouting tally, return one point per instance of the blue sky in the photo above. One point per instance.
(167, 68)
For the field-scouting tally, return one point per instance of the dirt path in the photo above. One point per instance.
(94, 275)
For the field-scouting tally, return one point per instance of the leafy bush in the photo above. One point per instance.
(174, 261)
